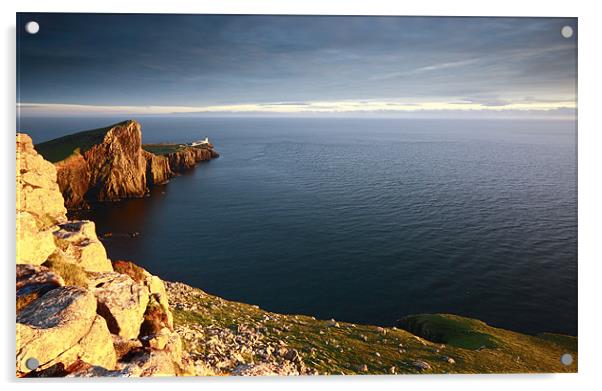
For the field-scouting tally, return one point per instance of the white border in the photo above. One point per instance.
(590, 195)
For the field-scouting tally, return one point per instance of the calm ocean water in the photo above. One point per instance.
(363, 220)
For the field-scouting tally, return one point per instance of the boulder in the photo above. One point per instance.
(156, 288)
(53, 324)
(96, 347)
(79, 244)
(121, 301)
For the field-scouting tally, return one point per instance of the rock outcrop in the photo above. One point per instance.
(51, 326)
(121, 301)
(109, 164)
(39, 204)
(79, 244)
(187, 158)
(36, 185)
(77, 315)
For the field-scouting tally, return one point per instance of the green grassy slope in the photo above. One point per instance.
(63, 147)
(456, 345)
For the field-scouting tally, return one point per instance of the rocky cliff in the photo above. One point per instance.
(78, 313)
(109, 164)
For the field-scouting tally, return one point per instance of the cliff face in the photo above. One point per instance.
(73, 177)
(78, 313)
(158, 170)
(117, 167)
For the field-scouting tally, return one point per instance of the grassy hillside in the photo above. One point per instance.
(450, 344)
(63, 147)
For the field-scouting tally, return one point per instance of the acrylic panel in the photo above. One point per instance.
(256, 195)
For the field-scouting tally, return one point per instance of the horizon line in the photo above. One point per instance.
(317, 107)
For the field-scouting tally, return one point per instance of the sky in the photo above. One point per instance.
(90, 64)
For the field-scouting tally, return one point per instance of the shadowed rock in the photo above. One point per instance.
(33, 282)
(121, 301)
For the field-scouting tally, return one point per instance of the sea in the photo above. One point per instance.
(364, 220)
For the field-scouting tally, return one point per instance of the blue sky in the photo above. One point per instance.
(294, 65)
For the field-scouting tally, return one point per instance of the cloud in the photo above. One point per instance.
(142, 61)
(322, 107)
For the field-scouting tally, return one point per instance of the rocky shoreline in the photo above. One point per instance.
(80, 314)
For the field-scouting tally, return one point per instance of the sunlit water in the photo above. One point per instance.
(363, 220)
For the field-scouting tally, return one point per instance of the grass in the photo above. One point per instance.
(162, 149)
(452, 330)
(345, 348)
(72, 274)
(63, 147)
(167, 148)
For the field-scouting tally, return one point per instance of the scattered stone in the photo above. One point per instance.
(422, 365)
(449, 360)
(362, 368)
(332, 323)
(265, 369)
(292, 355)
